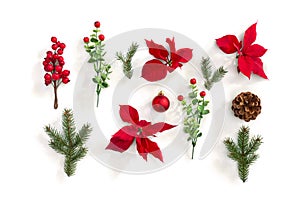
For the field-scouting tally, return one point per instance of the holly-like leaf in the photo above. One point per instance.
(122, 139)
(249, 36)
(129, 114)
(156, 50)
(229, 44)
(155, 128)
(154, 70)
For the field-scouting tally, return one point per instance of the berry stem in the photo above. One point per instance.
(55, 95)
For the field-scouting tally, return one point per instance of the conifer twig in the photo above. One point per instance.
(208, 74)
(126, 60)
(70, 144)
(244, 152)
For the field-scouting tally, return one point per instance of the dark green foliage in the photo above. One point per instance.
(244, 152)
(126, 60)
(70, 144)
(210, 76)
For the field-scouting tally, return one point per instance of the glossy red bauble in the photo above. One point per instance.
(160, 103)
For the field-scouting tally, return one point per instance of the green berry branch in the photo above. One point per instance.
(244, 151)
(195, 110)
(126, 60)
(209, 75)
(70, 144)
(95, 47)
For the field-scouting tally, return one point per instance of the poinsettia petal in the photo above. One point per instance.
(145, 146)
(258, 67)
(245, 65)
(229, 44)
(182, 55)
(129, 114)
(141, 147)
(143, 123)
(250, 36)
(171, 44)
(156, 50)
(154, 70)
(255, 50)
(122, 139)
(174, 66)
(157, 127)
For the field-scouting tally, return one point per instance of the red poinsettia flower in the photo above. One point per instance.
(248, 54)
(138, 131)
(165, 61)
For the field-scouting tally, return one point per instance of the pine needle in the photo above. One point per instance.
(70, 144)
(244, 152)
(126, 60)
(208, 74)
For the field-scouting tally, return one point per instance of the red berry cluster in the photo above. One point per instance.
(101, 37)
(54, 62)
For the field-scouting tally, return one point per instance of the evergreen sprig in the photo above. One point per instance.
(95, 48)
(208, 74)
(70, 144)
(195, 111)
(126, 60)
(244, 152)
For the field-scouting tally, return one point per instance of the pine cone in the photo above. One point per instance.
(246, 106)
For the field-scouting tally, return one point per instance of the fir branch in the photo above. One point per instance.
(244, 152)
(126, 60)
(70, 144)
(210, 76)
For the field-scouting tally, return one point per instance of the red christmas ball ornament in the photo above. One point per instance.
(160, 103)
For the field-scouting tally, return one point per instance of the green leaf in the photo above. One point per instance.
(205, 103)
(205, 112)
(96, 31)
(104, 85)
(199, 135)
(97, 80)
(103, 77)
(194, 101)
(192, 95)
(94, 40)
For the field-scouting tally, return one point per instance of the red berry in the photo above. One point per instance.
(202, 94)
(62, 45)
(47, 76)
(55, 76)
(101, 37)
(180, 98)
(60, 58)
(97, 24)
(62, 63)
(49, 52)
(45, 63)
(53, 39)
(65, 73)
(86, 40)
(47, 82)
(65, 80)
(54, 46)
(55, 56)
(193, 81)
(58, 68)
(49, 68)
(60, 51)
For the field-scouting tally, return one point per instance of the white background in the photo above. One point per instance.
(30, 169)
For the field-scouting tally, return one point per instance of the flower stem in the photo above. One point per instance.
(98, 93)
(55, 95)
(194, 144)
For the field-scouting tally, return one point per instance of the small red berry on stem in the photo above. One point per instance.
(97, 24)
(202, 94)
(65, 80)
(65, 73)
(86, 40)
(101, 37)
(54, 46)
(180, 98)
(53, 39)
(47, 76)
(60, 51)
(193, 81)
